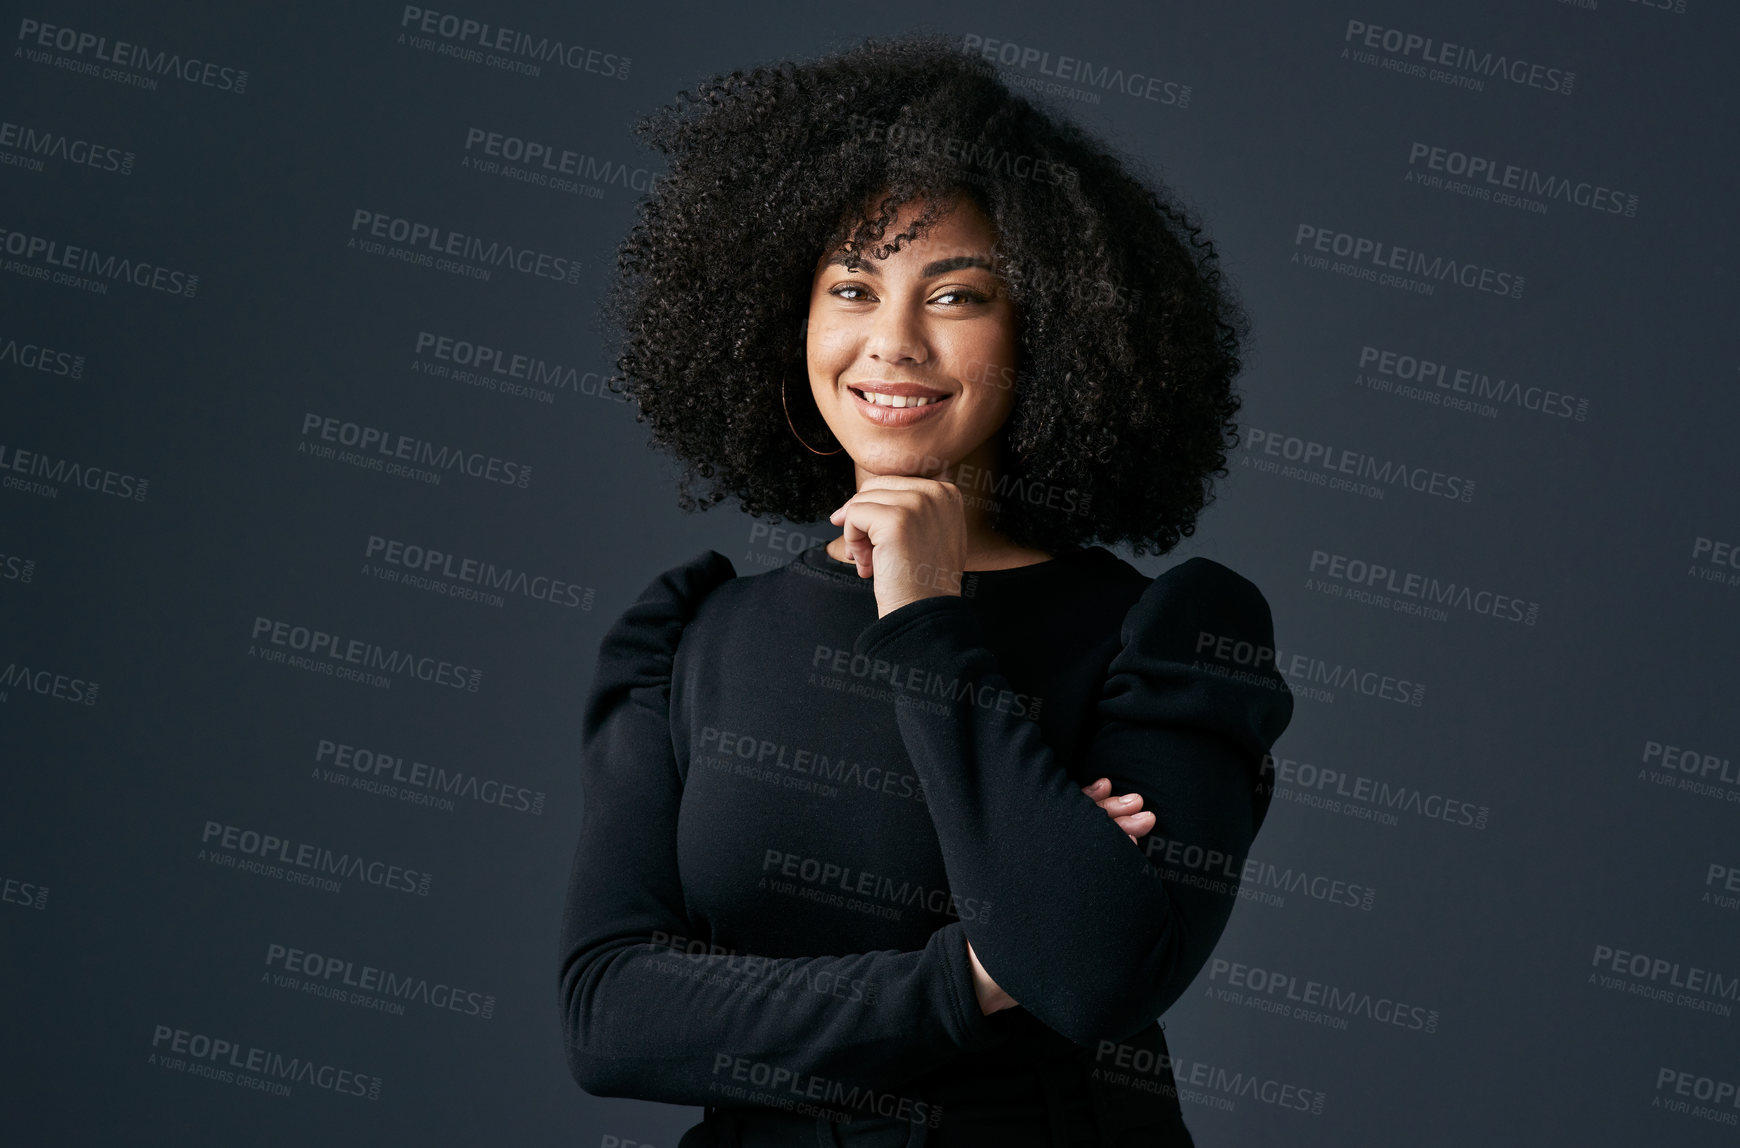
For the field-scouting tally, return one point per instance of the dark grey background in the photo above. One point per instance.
(1495, 929)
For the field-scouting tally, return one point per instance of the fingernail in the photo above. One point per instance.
(1127, 799)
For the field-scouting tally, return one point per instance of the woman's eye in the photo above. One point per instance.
(952, 297)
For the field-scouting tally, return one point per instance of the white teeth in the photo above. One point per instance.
(882, 400)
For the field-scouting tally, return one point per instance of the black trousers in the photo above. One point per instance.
(1047, 1106)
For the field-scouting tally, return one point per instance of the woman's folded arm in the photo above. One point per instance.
(1093, 935)
(645, 1017)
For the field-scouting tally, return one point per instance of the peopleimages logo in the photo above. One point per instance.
(505, 48)
(1308, 1000)
(552, 160)
(233, 846)
(1378, 261)
(326, 647)
(426, 245)
(418, 783)
(29, 355)
(372, 446)
(1429, 58)
(1511, 184)
(1335, 790)
(35, 255)
(1714, 1095)
(22, 145)
(1471, 388)
(505, 370)
(17, 568)
(1699, 770)
(65, 472)
(467, 572)
(1187, 863)
(343, 979)
(1307, 672)
(1328, 464)
(1145, 1070)
(1073, 70)
(119, 60)
(820, 877)
(25, 894)
(1663, 980)
(249, 1066)
(1411, 587)
(47, 684)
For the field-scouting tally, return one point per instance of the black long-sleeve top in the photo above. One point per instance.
(796, 815)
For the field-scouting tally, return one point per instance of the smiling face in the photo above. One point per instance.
(931, 322)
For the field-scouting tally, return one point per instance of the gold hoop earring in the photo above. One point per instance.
(794, 432)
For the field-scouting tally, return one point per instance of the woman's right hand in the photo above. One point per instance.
(1126, 810)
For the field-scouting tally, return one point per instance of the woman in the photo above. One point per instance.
(912, 839)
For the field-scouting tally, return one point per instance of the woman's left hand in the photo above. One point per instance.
(910, 534)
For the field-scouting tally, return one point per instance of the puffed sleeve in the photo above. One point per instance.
(1092, 934)
(645, 1018)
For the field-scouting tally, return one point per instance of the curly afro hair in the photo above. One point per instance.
(1129, 337)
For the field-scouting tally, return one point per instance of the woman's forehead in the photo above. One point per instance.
(960, 230)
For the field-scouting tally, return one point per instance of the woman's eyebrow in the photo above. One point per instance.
(939, 267)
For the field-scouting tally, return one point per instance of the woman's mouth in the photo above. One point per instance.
(896, 401)
(895, 410)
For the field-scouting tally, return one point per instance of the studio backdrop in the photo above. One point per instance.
(316, 504)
